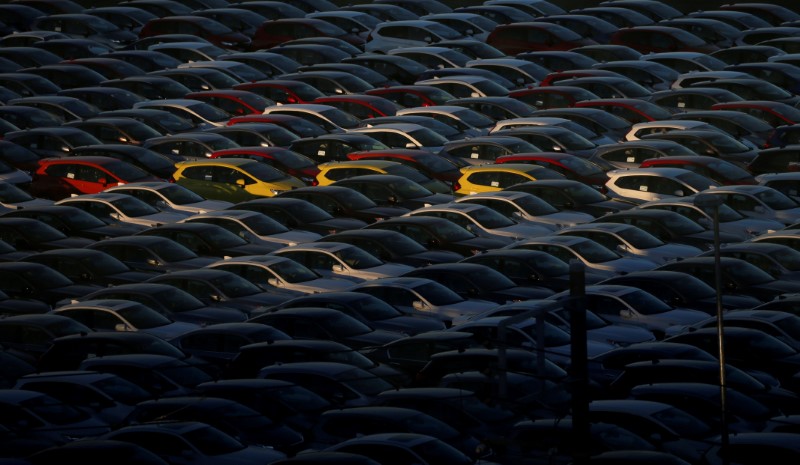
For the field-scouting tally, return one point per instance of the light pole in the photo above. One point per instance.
(708, 201)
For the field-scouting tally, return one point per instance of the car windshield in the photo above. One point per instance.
(17, 154)
(489, 279)
(534, 205)
(437, 294)
(354, 200)
(408, 173)
(452, 232)
(104, 263)
(573, 141)
(53, 411)
(788, 258)
(680, 225)
(143, 317)
(696, 181)
(357, 258)
(309, 213)
(692, 288)
(435, 163)
(263, 172)
(234, 285)
(592, 320)
(341, 118)
(179, 195)
(211, 441)
(41, 232)
(408, 189)
(263, 225)
(728, 170)
(489, 219)
(183, 374)
(747, 274)
(593, 252)
(133, 207)
(427, 137)
(645, 303)
(293, 272)
(121, 390)
(153, 160)
(639, 238)
(11, 193)
(400, 245)
(726, 144)
(581, 166)
(293, 160)
(364, 382)
(126, 171)
(374, 309)
(437, 451)
(473, 118)
(171, 251)
(220, 237)
(775, 199)
(171, 122)
(209, 112)
(583, 194)
(176, 301)
(682, 423)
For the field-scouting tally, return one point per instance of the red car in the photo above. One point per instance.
(58, 178)
(571, 166)
(282, 90)
(515, 38)
(413, 95)
(774, 113)
(288, 161)
(361, 106)
(724, 172)
(235, 102)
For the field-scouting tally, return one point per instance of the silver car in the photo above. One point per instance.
(525, 207)
(340, 260)
(483, 221)
(587, 251)
(270, 271)
(627, 304)
(760, 202)
(254, 227)
(112, 207)
(170, 196)
(730, 221)
(631, 241)
(422, 296)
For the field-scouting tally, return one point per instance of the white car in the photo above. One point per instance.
(270, 271)
(469, 122)
(112, 207)
(340, 260)
(254, 227)
(788, 183)
(641, 185)
(405, 136)
(170, 196)
(760, 202)
(408, 33)
(467, 24)
(525, 207)
(329, 117)
(659, 127)
(483, 221)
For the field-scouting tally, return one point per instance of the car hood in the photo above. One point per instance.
(519, 293)
(624, 265)
(431, 257)
(678, 316)
(430, 200)
(378, 337)
(335, 225)
(750, 227)
(292, 237)
(621, 335)
(114, 230)
(203, 207)
(172, 330)
(35, 202)
(483, 243)
(204, 316)
(409, 325)
(781, 286)
(156, 219)
(16, 177)
(131, 276)
(190, 264)
(788, 216)
(322, 285)
(69, 243)
(521, 231)
(384, 212)
(669, 252)
(261, 248)
(387, 270)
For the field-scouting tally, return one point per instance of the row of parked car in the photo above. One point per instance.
(291, 232)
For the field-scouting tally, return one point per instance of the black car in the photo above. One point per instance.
(29, 336)
(74, 222)
(343, 202)
(28, 280)
(682, 290)
(669, 226)
(32, 234)
(368, 310)
(474, 281)
(738, 277)
(152, 253)
(218, 343)
(148, 160)
(439, 234)
(161, 120)
(89, 266)
(300, 214)
(174, 303)
(394, 191)
(212, 286)
(531, 268)
(392, 246)
(572, 195)
(206, 239)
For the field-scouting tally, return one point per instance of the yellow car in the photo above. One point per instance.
(496, 177)
(338, 170)
(233, 179)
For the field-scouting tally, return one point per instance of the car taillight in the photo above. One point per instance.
(456, 186)
(315, 182)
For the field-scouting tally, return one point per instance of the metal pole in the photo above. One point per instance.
(579, 367)
(720, 339)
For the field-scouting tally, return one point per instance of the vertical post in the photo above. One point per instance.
(579, 366)
(712, 202)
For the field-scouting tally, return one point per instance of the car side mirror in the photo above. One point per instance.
(432, 243)
(274, 282)
(240, 182)
(122, 327)
(411, 145)
(337, 268)
(161, 205)
(152, 262)
(679, 193)
(420, 306)
(391, 199)
(622, 248)
(102, 181)
(625, 313)
(115, 216)
(215, 297)
(759, 209)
